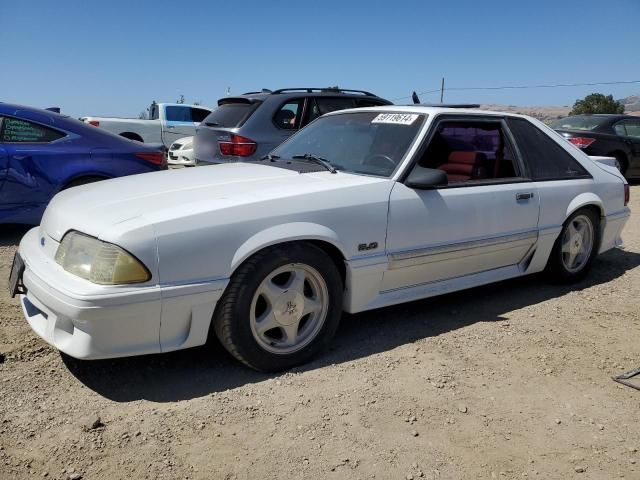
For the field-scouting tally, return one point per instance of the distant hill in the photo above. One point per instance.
(631, 104)
(548, 114)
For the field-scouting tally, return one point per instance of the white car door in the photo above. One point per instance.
(485, 219)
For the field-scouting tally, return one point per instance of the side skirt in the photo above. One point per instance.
(432, 289)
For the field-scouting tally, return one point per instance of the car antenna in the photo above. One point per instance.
(415, 98)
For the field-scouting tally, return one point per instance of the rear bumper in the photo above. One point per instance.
(88, 321)
(612, 229)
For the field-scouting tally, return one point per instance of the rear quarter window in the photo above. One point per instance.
(15, 130)
(545, 158)
(231, 115)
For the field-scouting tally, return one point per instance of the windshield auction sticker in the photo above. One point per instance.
(396, 118)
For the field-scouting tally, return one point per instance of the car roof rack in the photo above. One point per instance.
(323, 89)
(446, 105)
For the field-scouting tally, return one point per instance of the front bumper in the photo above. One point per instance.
(181, 157)
(89, 321)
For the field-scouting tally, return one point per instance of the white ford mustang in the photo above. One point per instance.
(361, 209)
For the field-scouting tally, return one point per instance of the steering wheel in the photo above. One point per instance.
(373, 159)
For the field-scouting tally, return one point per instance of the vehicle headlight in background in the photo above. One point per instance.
(99, 262)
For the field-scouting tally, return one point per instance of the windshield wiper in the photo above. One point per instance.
(212, 124)
(316, 159)
(270, 157)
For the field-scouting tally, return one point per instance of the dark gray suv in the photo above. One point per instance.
(248, 126)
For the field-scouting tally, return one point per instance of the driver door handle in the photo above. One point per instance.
(524, 196)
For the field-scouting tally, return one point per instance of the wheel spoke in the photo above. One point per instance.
(572, 259)
(266, 322)
(290, 333)
(270, 291)
(296, 282)
(566, 245)
(311, 306)
(572, 230)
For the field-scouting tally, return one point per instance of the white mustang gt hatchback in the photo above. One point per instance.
(361, 209)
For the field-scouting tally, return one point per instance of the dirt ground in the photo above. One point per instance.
(506, 381)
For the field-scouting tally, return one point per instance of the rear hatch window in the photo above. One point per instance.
(231, 114)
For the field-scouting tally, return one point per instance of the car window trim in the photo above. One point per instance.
(64, 133)
(442, 117)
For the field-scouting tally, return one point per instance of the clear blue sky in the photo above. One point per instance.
(114, 56)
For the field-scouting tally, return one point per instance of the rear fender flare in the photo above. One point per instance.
(588, 199)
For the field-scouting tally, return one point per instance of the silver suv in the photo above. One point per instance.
(248, 126)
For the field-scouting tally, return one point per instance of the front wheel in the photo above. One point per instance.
(282, 306)
(575, 248)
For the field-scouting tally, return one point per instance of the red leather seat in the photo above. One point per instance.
(464, 166)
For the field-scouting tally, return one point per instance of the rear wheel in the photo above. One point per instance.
(621, 162)
(132, 136)
(576, 247)
(282, 306)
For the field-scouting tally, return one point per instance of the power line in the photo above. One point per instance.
(513, 87)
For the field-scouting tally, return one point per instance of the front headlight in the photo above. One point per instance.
(99, 262)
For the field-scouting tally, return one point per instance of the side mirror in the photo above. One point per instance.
(422, 178)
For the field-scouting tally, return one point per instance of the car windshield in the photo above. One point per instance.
(371, 143)
(578, 123)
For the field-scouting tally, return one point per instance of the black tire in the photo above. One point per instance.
(83, 181)
(232, 318)
(621, 158)
(132, 136)
(556, 269)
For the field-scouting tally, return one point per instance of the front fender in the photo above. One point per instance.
(287, 232)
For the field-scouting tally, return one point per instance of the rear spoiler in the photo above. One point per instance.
(245, 100)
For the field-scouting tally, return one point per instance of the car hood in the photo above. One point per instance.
(127, 202)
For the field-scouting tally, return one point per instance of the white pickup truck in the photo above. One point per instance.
(167, 123)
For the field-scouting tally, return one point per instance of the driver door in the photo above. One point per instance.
(485, 219)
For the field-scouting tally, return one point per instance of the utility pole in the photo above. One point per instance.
(442, 90)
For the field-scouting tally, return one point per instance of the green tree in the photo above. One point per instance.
(597, 103)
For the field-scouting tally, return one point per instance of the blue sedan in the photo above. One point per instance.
(43, 152)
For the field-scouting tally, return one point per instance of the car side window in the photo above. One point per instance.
(288, 116)
(471, 151)
(15, 130)
(619, 129)
(199, 114)
(632, 128)
(178, 114)
(367, 103)
(318, 106)
(545, 158)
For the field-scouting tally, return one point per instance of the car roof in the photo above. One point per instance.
(302, 91)
(428, 110)
(40, 115)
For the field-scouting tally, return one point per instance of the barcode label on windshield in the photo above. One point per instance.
(396, 118)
